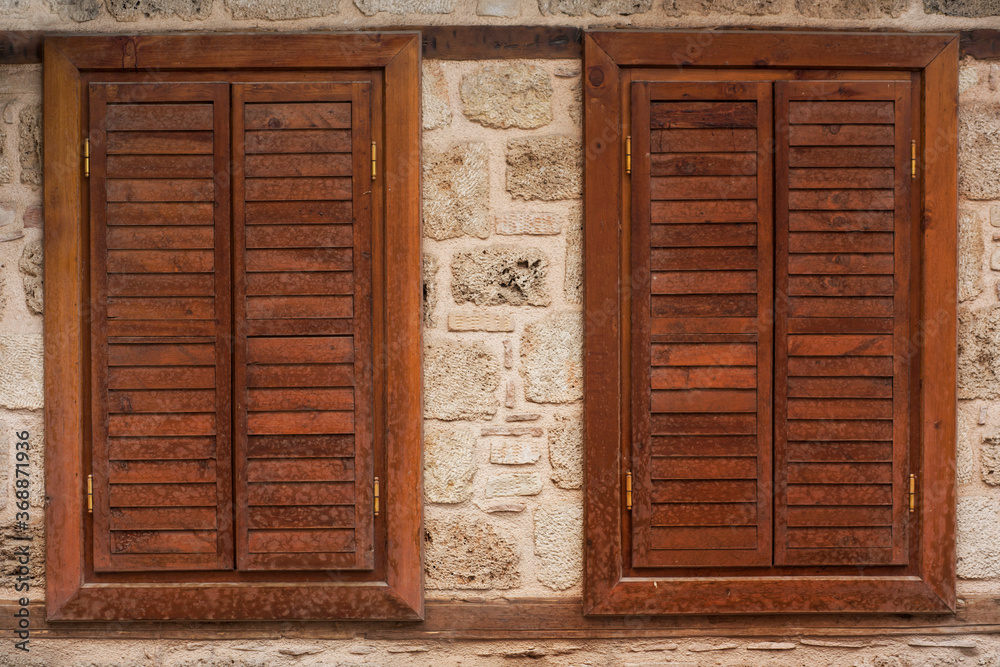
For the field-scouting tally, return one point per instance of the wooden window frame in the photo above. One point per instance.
(607, 588)
(71, 592)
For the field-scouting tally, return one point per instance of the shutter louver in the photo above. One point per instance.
(303, 357)
(842, 378)
(701, 259)
(160, 328)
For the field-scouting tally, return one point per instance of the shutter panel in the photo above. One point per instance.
(842, 382)
(304, 375)
(701, 259)
(160, 329)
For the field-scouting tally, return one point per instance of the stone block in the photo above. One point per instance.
(133, 10)
(499, 508)
(500, 276)
(9, 228)
(573, 277)
(468, 554)
(978, 539)
(372, 7)
(989, 460)
(968, 444)
(536, 224)
(30, 266)
(21, 371)
(429, 271)
(595, 7)
(995, 260)
(513, 452)
(978, 353)
(546, 168)
(480, 322)
(12, 539)
(79, 11)
(435, 98)
(460, 381)
(449, 463)
(678, 8)
(523, 417)
(966, 8)
(508, 9)
(6, 168)
(971, 248)
(995, 214)
(979, 150)
(508, 94)
(30, 145)
(513, 484)
(14, 6)
(33, 217)
(456, 192)
(559, 545)
(552, 359)
(515, 431)
(282, 10)
(968, 75)
(566, 452)
(851, 9)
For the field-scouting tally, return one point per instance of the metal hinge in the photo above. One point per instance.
(628, 154)
(913, 159)
(90, 494)
(913, 493)
(374, 160)
(86, 158)
(628, 490)
(376, 496)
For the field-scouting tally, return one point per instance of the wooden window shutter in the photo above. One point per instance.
(842, 338)
(701, 280)
(160, 352)
(304, 366)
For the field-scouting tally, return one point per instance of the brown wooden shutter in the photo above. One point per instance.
(303, 357)
(701, 323)
(160, 329)
(842, 378)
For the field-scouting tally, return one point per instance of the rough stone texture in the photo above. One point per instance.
(851, 9)
(14, 6)
(30, 265)
(282, 10)
(971, 248)
(10, 554)
(978, 353)
(480, 322)
(429, 277)
(989, 460)
(9, 229)
(133, 10)
(967, 446)
(978, 546)
(372, 7)
(969, 8)
(33, 217)
(500, 276)
(573, 278)
(678, 8)
(547, 168)
(80, 11)
(513, 452)
(21, 371)
(595, 7)
(449, 463)
(551, 359)
(456, 192)
(468, 554)
(505, 95)
(968, 75)
(979, 150)
(566, 452)
(509, 9)
(513, 484)
(6, 170)
(559, 545)
(460, 381)
(535, 224)
(435, 98)
(30, 145)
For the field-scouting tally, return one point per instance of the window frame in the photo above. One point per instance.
(608, 589)
(71, 593)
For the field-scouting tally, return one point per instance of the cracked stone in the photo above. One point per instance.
(500, 276)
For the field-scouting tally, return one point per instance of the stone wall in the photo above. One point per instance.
(502, 179)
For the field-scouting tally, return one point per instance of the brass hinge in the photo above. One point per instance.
(628, 154)
(90, 494)
(913, 159)
(376, 496)
(374, 160)
(913, 493)
(86, 158)
(628, 490)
